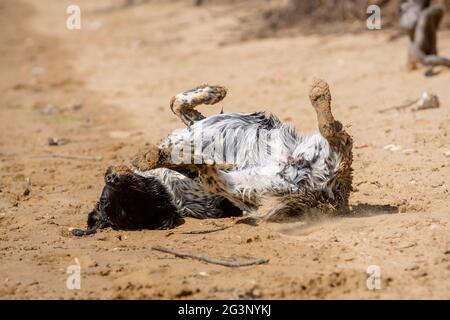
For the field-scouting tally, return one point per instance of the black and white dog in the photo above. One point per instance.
(244, 161)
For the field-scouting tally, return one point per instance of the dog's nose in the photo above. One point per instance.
(112, 178)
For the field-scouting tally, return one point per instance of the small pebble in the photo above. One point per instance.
(392, 147)
(37, 71)
(427, 101)
(50, 110)
(57, 141)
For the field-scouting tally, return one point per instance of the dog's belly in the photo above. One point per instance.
(244, 139)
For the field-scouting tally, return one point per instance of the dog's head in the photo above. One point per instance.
(131, 201)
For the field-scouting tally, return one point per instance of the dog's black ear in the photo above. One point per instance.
(95, 221)
(97, 218)
(93, 217)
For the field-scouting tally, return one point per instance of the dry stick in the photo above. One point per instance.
(205, 231)
(63, 156)
(400, 107)
(232, 264)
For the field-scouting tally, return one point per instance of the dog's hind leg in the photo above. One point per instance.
(329, 128)
(339, 140)
(320, 97)
(183, 104)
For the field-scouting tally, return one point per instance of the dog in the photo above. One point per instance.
(260, 164)
(229, 164)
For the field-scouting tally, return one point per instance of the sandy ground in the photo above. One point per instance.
(106, 89)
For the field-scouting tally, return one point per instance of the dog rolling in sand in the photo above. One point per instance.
(244, 162)
(261, 165)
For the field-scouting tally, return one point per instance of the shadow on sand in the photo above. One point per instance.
(313, 217)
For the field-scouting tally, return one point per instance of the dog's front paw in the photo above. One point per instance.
(147, 158)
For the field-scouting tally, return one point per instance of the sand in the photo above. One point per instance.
(106, 89)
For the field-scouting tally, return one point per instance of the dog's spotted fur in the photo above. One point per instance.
(296, 173)
(189, 197)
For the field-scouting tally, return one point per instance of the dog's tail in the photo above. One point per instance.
(183, 104)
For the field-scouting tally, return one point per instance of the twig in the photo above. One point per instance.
(63, 156)
(400, 107)
(205, 231)
(233, 264)
(361, 146)
(360, 183)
